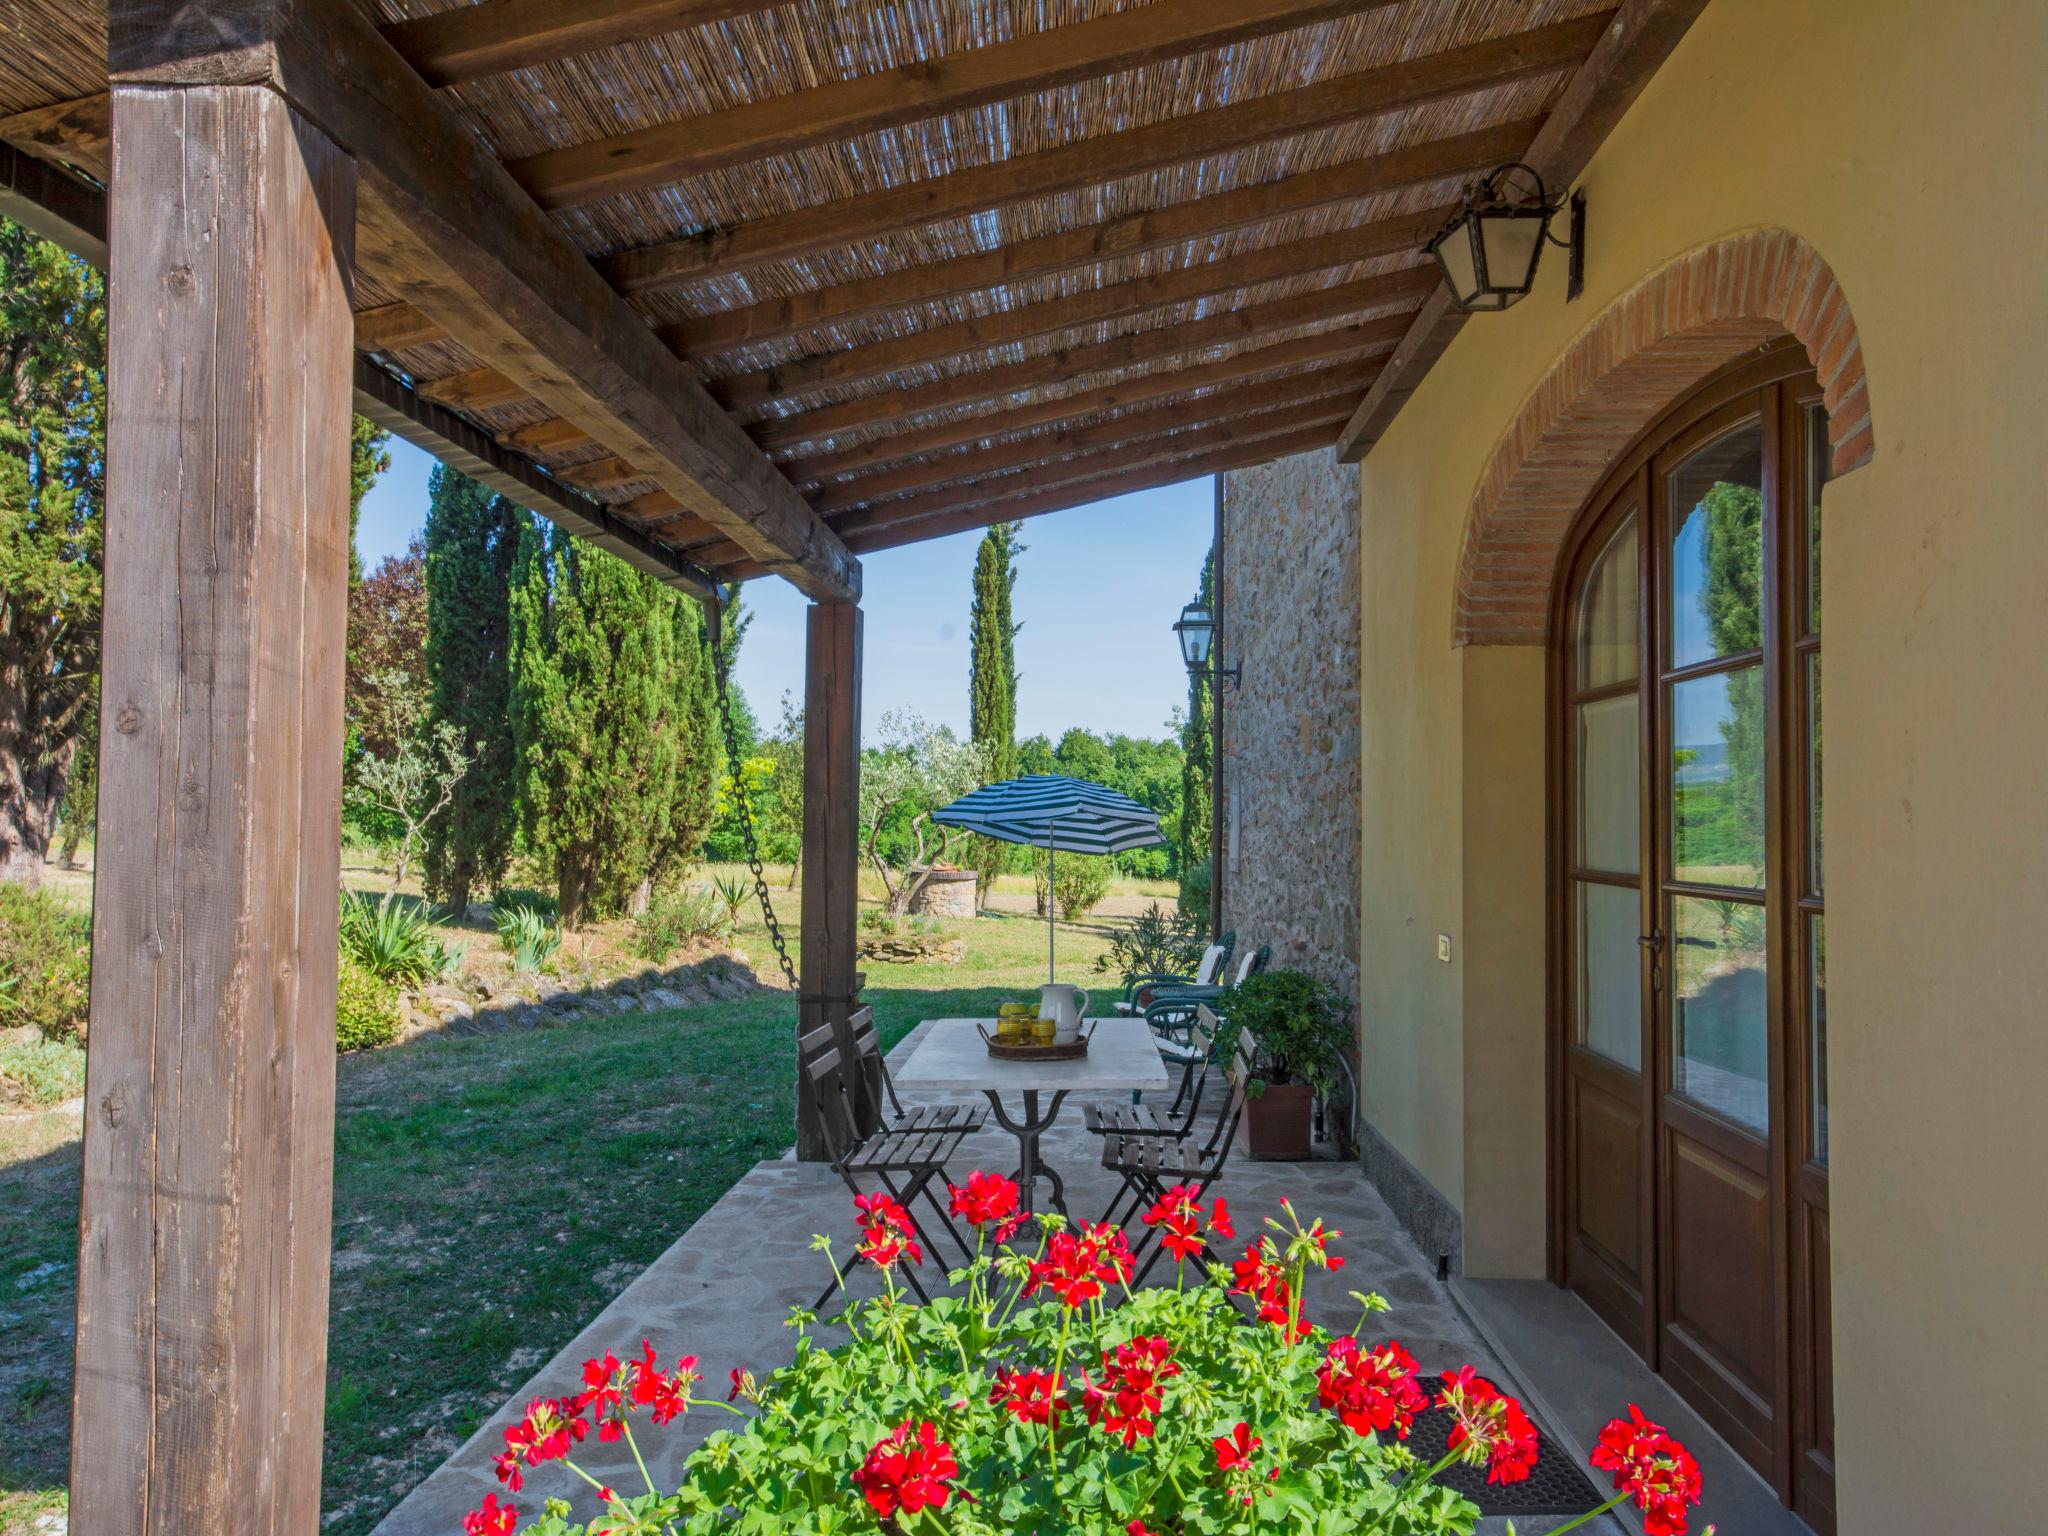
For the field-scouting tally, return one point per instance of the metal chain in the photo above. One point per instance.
(735, 768)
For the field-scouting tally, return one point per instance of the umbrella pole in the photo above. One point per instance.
(1052, 919)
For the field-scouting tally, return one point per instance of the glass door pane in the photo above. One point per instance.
(1717, 548)
(1817, 1031)
(1720, 1009)
(1610, 786)
(1717, 778)
(1610, 973)
(1607, 614)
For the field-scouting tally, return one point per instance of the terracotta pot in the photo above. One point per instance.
(1275, 1127)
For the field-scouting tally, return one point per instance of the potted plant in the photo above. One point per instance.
(1048, 1393)
(1301, 1028)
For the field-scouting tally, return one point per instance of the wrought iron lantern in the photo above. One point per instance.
(1196, 630)
(1490, 250)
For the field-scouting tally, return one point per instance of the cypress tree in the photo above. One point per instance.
(472, 539)
(612, 723)
(992, 675)
(1197, 740)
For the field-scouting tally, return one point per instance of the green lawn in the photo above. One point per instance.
(491, 1194)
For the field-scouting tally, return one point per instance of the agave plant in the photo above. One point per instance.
(392, 939)
(528, 936)
(733, 891)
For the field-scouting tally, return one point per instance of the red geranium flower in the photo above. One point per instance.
(1077, 1265)
(1179, 1216)
(549, 1430)
(1235, 1449)
(1259, 1275)
(667, 1394)
(1372, 1390)
(907, 1473)
(988, 1199)
(1651, 1468)
(1490, 1426)
(1127, 1400)
(1219, 1220)
(603, 1397)
(493, 1519)
(1033, 1397)
(886, 1234)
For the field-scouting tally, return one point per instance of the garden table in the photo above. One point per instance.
(1123, 1057)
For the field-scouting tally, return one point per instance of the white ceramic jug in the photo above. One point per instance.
(1064, 1005)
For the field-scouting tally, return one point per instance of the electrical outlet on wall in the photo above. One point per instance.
(1443, 948)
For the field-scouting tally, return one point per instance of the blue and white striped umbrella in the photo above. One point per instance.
(1058, 814)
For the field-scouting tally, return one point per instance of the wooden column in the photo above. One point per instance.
(209, 1131)
(831, 908)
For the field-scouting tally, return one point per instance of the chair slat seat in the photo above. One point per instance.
(1125, 1120)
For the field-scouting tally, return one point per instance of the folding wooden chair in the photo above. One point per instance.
(1178, 1119)
(1148, 1166)
(967, 1118)
(903, 1162)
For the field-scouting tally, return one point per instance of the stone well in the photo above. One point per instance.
(949, 893)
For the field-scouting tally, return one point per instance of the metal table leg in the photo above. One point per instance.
(1027, 1131)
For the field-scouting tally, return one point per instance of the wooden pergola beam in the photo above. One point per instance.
(979, 514)
(499, 36)
(394, 328)
(1005, 328)
(48, 202)
(1121, 354)
(1326, 412)
(1109, 157)
(670, 152)
(1133, 234)
(1340, 381)
(1635, 42)
(444, 228)
(1359, 341)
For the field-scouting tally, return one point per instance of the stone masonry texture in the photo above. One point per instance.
(1289, 595)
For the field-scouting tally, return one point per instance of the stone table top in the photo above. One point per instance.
(1122, 1055)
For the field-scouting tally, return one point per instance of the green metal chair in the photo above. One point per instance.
(1139, 990)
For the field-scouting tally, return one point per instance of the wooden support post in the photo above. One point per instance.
(209, 1135)
(831, 906)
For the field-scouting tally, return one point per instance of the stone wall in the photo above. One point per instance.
(1289, 595)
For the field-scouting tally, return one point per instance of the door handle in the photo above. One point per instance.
(1653, 942)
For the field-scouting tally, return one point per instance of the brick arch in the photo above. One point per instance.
(1673, 329)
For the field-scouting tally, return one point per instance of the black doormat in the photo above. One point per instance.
(1556, 1486)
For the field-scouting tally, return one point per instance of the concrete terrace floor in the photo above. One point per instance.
(724, 1289)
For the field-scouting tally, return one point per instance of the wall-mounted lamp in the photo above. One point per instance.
(1489, 251)
(1196, 629)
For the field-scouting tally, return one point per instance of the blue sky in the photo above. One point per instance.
(1098, 589)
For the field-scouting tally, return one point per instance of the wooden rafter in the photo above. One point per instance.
(476, 389)
(1327, 411)
(670, 152)
(979, 514)
(1138, 349)
(1329, 103)
(393, 328)
(499, 36)
(1341, 381)
(1637, 39)
(1361, 340)
(1131, 235)
(1066, 312)
(443, 227)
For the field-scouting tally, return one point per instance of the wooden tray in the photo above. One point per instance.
(1003, 1050)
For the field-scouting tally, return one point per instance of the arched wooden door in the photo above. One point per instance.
(1689, 973)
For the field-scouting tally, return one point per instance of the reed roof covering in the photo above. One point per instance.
(953, 261)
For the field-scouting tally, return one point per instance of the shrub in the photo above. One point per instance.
(393, 940)
(1159, 943)
(1194, 891)
(365, 1009)
(40, 1071)
(1079, 883)
(674, 918)
(1301, 1025)
(45, 963)
(1049, 1396)
(530, 937)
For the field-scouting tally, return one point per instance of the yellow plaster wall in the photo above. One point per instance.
(1906, 140)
